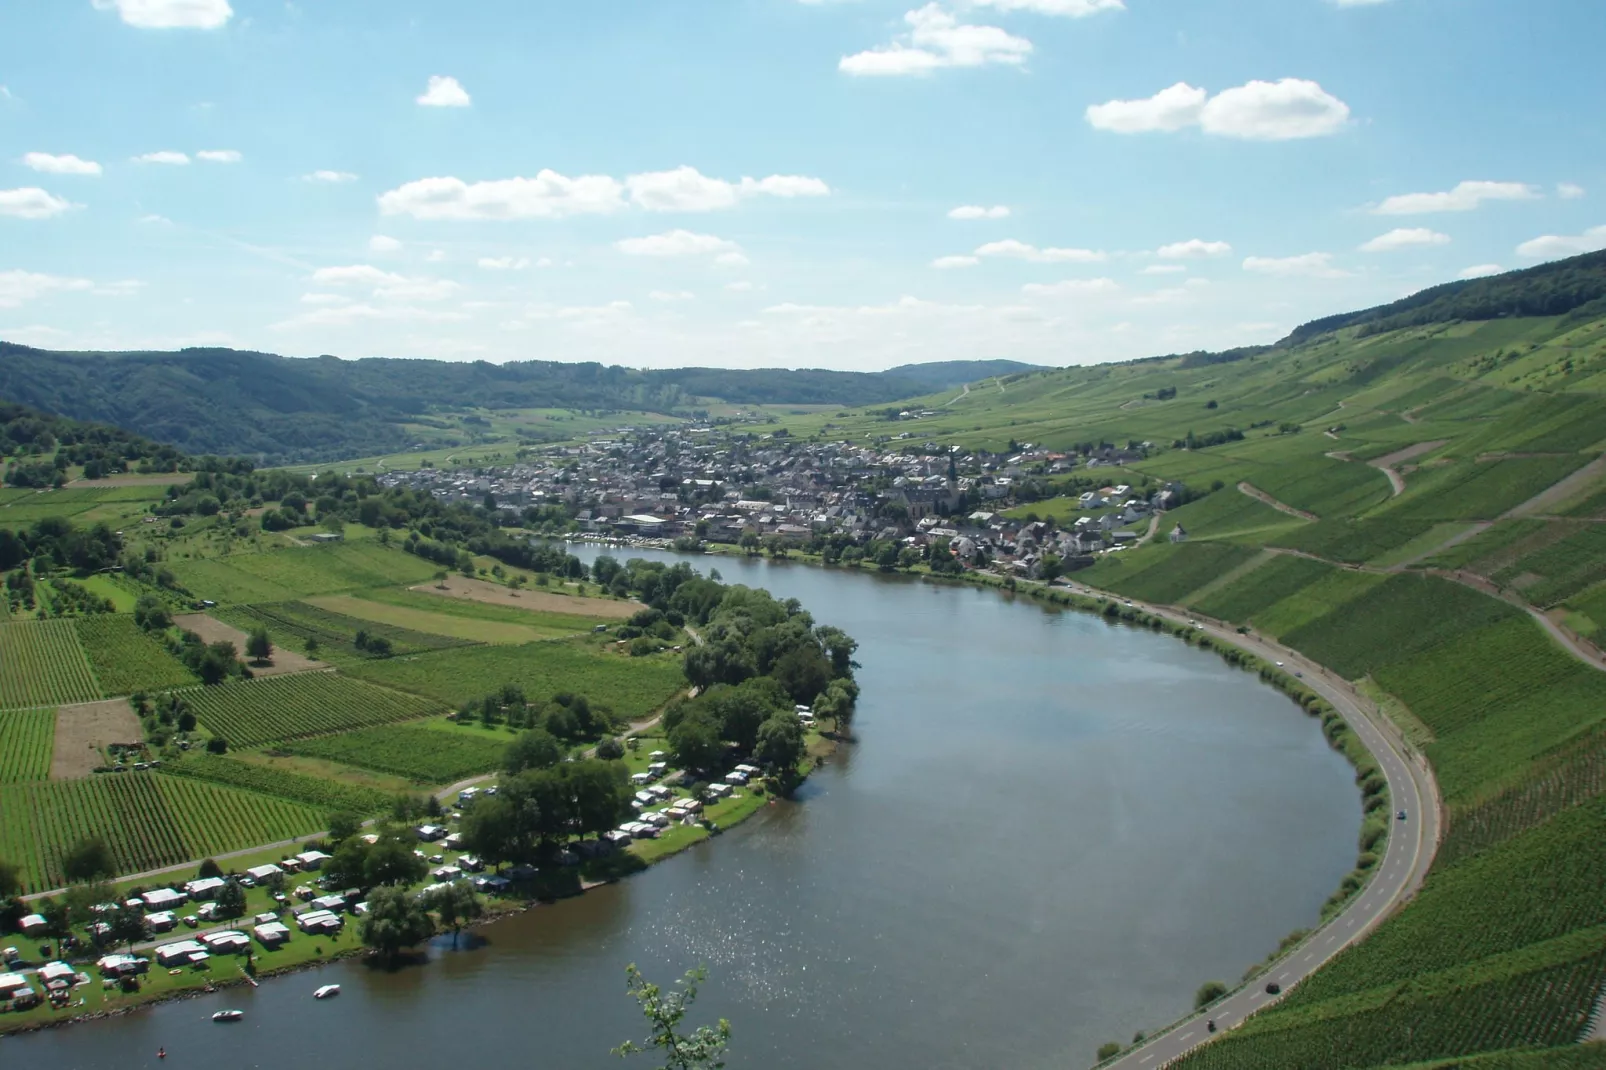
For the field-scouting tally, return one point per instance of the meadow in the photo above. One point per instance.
(253, 713)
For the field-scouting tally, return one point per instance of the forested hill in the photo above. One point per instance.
(39, 448)
(285, 409)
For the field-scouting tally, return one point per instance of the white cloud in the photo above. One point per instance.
(120, 288)
(170, 14)
(1309, 265)
(1256, 111)
(1569, 191)
(685, 189)
(324, 299)
(1071, 286)
(1464, 198)
(418, 290)
(936, 39)
(155, 220)
(60, 165)
(731, 260)
(331, 177)
(668, 296)
(379, 243)
(949, 262)
(31, 202)
(1192, 249)
(548, 195)
(1168, 110)
(347, 315)
(1076, 9)
(435, 256)
(1556, 246)
(504, 263)
(1478, 271)
(1274, 111)
(386, 284)
(444, 91)
(741, 287)
(165, 157)
(977, 211)
(219, 156)
(17, 288)
(1019, 250)
(1405, 238)
(679, 243)
(356, 275)
(544, 262)
(1163, 269)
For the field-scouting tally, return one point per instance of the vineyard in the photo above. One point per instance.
(421, 755)
(147, 820)
(1325, 487)
(1267, 585)
(520, 627)
(126, 659)
(27, 741)
(291, 624)
(1561, 569)
(261, 711)
(627, 687)
(1472, 490)
(44, 665)
(1326, 595)
(328, 795)
(285, 575)
(1354, 541)
(1229, 514)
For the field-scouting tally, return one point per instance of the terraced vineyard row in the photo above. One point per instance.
(27, 741)
(126, 659)
(420, 754)
(261, 711)
(334, 632)
(44, 665)
(146, 819)
(328, 794)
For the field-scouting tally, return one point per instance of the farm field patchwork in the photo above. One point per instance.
(512, 611)
(1561, 569)
(1352, 541)
(27, 740)
(127, 659)
(330, 795)
(257, 712)
(44, 665)
(148, 821)
(1178, 574)
(292, 624)
(433, 622)
(629, 688)
(1279, 578)
(1480, 490)
(420, 755)
(299, 571)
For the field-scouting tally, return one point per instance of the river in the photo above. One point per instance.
(1050, 831)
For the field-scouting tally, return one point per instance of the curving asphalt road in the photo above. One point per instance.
(1404, 865)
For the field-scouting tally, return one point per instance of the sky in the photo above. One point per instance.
(849, 184)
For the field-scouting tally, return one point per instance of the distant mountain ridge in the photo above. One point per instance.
(285, 409)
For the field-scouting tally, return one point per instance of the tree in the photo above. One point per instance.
(391, 861)
(58, 921)
(695, 742)
(10, 881)
(87, 859)
(803, 671)
(490, 829)
(125, 927)
(396, 920)
(209, 868)
(535, 749)
(703, 1049)
(152, 614)
(343, 826)
(780, 747)
(231, 899)
(259, 646)
(457, 905)
(610, 749)
(1208, 993)
(1112, 1049)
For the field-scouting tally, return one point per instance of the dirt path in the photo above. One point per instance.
(961, 397)
(85, 729)
(1154, 526)
(1560, 491)
(1454, 540)
(537, 600)
(214, 630)
(1386, 463)
(1282, 507)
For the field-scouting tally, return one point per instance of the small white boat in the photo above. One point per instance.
(326, 992)
(228, 1016)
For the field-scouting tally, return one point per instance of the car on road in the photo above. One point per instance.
(1400, 816)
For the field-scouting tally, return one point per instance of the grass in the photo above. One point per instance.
(27, 741)
(469, 628)
(1171, 573)
(420, 755)
(1228, 514)
(292, 624)
(630, 688)
(126, 659)
(1353, 541)
(254, 713)
(1474, 490)
(283, 575)
(42, 663)
(1279, 578)
(322, 792)
(1324, 486)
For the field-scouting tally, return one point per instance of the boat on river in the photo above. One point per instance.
(228, 1016)
(326, 992)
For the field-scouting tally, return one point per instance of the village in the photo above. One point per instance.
(769, 492)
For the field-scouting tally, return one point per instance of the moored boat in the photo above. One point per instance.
(326, 991)
(228, 1016)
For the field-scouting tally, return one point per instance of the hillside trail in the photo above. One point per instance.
(1559, 491)
(961, 397)
(1282, 507)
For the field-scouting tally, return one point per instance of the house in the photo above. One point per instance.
(312, 860)
(431, 833)
(262, 873)
(271, 934)
(227, 942)
(13, 985)
(1178, 534)
(57, 971)
(161, 921)
(119, 965)
(181, 953)
(205, 888)
(446, 874)
(471, 863)
(492, 885)
(319, 921)
(163, 899)
(719, 791)
(334, 903)
(33, 925)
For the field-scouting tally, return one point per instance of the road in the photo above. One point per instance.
(1404, 865)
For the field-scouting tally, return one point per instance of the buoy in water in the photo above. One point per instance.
(161, 1053)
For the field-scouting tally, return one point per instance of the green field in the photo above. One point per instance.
(420, 755)
(1325, 487)
(1283, 576)
(43, 664)
(1561, 569)
(629, 688)
(1171, 574)
(284, 575)
(27, 741)
(126, 659)
(470, 629)
(1353, 541)
(1480, 490)
(257, 712)
(147, 820)
(292, 624)
(328, 795)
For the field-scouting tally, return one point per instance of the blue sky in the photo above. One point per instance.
(840, 183)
